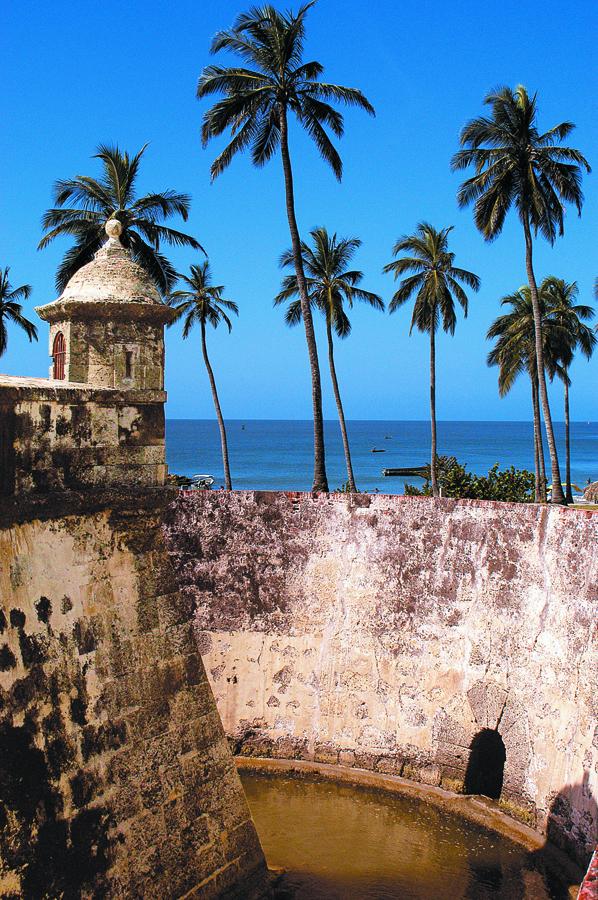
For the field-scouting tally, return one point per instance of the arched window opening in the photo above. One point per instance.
(59, 357)
(486, 764)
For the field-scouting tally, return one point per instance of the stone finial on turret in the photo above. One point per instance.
(113, 229)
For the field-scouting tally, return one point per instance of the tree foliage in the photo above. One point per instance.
(11, 309)
(331, 284)
(200, 301)
(114, 196)
(434, 279)
(517, 164)
(508, 485)
(275, 77)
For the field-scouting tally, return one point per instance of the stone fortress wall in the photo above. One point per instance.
(115, 774)
(116, 778)
(57, 436)
(387, 632)
(375, 632)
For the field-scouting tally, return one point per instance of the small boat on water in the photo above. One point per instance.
(377, 450)
(202, 482)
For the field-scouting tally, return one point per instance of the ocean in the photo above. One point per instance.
(278, 454)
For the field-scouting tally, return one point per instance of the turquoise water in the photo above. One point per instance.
(277, 455)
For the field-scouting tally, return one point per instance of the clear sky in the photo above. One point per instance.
(77, 74)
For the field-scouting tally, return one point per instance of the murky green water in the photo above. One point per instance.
(337, 841)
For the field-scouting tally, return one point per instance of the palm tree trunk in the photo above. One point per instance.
(339, 406)
(223, 443)
(539, 445)
(536, 451)
(536, 468)
(320, 482)
(569, 492)
(433, 410)
(557, 488)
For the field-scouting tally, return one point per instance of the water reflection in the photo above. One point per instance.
(338, 841)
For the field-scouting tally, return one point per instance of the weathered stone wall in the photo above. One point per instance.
(386, 632)
(115, 775)
(96, 347)
(56, 436)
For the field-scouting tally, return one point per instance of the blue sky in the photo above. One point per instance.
(74, 75)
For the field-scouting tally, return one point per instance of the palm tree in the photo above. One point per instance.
(202, 303)
(329, 285)
(515, 353)
(11, 309)
(435, 282)
(572, 334)
(94, 201)
(255, 107)
(516, 164)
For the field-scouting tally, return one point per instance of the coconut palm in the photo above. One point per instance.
(257, 99)
(571, 335)
(114, 196)
(330, 285)
(201, 303)
(11, 309)
(517, 165)
(515, 353)
(435, 283)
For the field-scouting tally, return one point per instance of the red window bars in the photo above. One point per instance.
(59, 356)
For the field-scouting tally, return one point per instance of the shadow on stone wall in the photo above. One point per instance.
(53, 856)
(572, 823)
(574, 832)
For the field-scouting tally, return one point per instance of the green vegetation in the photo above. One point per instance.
(571, 333)
(514, 353)
(255, 106)
(435, 283)
(516, 164)
(509, 485)
(346, 488)
(563, 332)
(330, 285)
(11, 309)
(113, 196)
(201, 303)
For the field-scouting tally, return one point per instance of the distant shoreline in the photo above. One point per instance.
(334, 421)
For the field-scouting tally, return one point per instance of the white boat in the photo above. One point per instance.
(202, 482)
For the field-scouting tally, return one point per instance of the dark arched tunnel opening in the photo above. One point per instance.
(486, 764)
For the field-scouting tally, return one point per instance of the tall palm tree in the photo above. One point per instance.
(517, 165)
(11, 309)
(201, 303)
(255, 106)
(515, 353)
(114, 196)
(329, 284)
(435, 283)
(572, 334)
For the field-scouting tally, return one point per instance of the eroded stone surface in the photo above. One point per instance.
(115, 773)
(386, 632)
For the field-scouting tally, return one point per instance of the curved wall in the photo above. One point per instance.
(387, 632)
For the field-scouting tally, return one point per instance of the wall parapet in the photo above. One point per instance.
(390, 632)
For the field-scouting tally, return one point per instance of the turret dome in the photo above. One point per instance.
(111, 277)
(107, 326)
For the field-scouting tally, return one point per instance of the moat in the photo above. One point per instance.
(340, 841)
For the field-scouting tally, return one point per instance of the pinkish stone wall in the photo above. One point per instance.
(386, 632)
